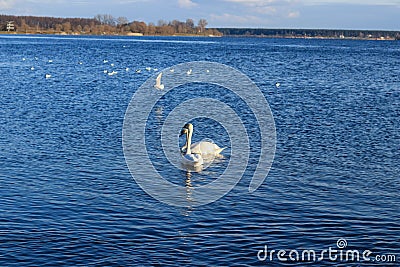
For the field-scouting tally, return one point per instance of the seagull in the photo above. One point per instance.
(171, 70)
(48, 76)
(189, 72)
(277, 84)
(105, 61)
(207, 71)
(112, 73)
(148, 68)
(105, 71)
(138, 71)
(127, 69)
(112, 64)
(158, 84)
(50, 61)
(155, 69)
(32, 68)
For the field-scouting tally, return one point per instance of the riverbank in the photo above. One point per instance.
(370, 37)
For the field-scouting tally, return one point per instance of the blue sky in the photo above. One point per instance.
(331, 14)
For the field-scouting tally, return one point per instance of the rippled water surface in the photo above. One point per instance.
(67, 197)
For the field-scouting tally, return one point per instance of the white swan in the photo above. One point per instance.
(189, 158)
(158, 84)
(204, 148)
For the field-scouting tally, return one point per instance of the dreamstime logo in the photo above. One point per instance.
(341, 243)
(146, 98)
(330, 254)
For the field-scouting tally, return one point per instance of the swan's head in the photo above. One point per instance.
(183, 131)
(186, 128)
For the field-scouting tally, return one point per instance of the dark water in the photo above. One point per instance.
(68, 199)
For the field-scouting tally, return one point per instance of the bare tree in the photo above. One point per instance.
(202, 25)
(189, 25)
(122, 21)
(162, 23)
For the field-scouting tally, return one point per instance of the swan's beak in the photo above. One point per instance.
(183, 131)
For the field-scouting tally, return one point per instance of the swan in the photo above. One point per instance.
(189, 158)
(158, 84)
(204, 148)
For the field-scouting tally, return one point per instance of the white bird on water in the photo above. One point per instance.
(189, 72)
(48, 76)
(158, 84)
(277, 84)
(189, 158)
(205, 148)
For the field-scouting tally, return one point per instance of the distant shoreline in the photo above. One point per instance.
(341, 37)
(107, 25)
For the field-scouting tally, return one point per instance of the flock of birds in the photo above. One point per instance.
(105, 71)
(158, 85)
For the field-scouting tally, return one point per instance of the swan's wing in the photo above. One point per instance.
(158, 79)
(205, 147)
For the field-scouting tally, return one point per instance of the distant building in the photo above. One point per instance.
(10, 26)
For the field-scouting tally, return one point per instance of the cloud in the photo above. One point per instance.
(352, 2)
(266, 10)
(186, 3)
(251, 2)
(293, 14)
(6, 4)
(235, 19)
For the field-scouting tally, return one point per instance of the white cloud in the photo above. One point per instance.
(266, 10)
(235, 19)
(252, 2)
(353, 2)
(293, 14)
(186, 3)
(6, 4)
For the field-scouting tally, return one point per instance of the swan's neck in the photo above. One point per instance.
(188, 142)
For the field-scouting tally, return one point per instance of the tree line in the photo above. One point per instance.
(104, 24)
(311, 33)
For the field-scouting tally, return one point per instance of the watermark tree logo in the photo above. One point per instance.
(199, 72)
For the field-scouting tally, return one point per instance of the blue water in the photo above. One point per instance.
(67, 197)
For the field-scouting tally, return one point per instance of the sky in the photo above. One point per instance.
(308, 14)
